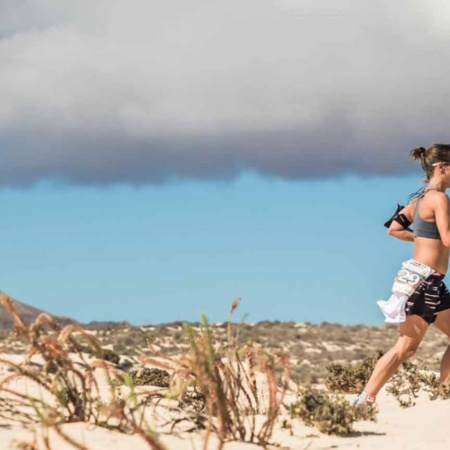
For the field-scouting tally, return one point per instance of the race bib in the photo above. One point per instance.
(409, 277)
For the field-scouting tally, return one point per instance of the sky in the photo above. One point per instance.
(158, 159)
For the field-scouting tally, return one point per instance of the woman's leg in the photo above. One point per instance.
(411, 333)
(442, 322)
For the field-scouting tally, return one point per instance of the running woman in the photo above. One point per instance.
(419, 293)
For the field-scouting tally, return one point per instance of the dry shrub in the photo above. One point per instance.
(330, 414)
(351, 378)
(444, 390)
(233, 384)
(405, 385)
(150, 377)
(407, 382)
(69, 392)
(101, 353)
(410, 379)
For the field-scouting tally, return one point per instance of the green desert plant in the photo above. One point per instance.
(410, 379)
(330, 414)
(149, 377)
(351, 378)
(444, 390)
(404, 385)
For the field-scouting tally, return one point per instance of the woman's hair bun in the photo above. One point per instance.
(418, 153)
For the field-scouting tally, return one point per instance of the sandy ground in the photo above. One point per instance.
(422, 426)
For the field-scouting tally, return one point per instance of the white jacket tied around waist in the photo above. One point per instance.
(407, 280)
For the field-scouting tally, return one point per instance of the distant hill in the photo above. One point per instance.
(28, 314)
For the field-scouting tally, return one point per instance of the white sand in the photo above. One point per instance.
(424, 426)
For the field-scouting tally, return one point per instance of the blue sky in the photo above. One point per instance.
(292, 250)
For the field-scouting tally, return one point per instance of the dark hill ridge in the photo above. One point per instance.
(28, 314)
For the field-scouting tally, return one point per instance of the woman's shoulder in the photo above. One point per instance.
(437, 198)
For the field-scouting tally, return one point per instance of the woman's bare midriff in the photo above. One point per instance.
(432, 253)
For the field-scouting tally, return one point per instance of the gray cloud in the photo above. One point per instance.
(141, 91)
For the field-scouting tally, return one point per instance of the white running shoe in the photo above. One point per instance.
(366, 400)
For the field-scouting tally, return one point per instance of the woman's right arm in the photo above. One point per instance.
(397, 230)
(442, 215)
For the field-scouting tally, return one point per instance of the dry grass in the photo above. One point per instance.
(68, 392)
(236, 383)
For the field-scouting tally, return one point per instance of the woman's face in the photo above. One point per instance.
(442, 174)
(445, 174)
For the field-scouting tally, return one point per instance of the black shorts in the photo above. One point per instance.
(430, 298)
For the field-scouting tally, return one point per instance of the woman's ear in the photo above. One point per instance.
(442, 169)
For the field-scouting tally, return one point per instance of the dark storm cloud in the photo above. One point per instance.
(145, 92)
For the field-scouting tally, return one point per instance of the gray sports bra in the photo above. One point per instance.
(423, 228)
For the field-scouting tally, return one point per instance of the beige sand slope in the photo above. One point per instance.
(424, 426)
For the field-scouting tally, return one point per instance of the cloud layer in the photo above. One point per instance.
(141, 91)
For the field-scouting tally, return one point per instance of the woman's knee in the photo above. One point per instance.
(404, 352)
